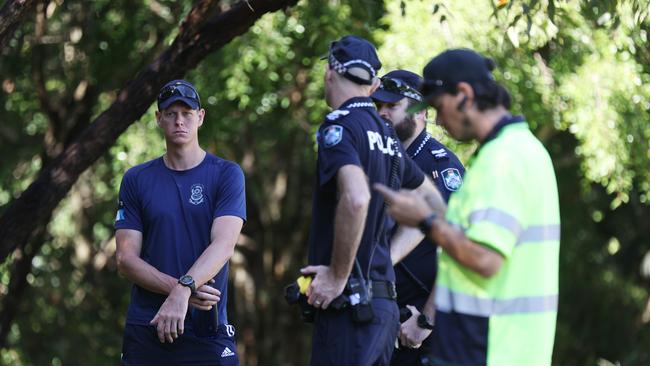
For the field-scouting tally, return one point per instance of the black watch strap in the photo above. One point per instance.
(426, 224)
(424, 322)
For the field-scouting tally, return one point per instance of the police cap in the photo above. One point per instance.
(352, 52)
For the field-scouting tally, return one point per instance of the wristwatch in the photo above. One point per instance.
(426, 224)
(188, 281)
(424, 322)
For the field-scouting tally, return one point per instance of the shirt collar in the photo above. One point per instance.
(358, 102)
(503, 122)
(413, 147)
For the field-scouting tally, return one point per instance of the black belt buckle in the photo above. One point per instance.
(392, 290)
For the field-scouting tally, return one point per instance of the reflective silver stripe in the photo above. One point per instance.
(448, 301)
(537, 233)
(497, 217)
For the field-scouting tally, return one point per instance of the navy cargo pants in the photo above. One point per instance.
(337, 341)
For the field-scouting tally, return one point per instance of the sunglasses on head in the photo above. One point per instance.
(397, 86)
(178, 90)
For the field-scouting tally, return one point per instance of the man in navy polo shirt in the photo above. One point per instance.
(416, 273)
(350, 229)
(177, 224)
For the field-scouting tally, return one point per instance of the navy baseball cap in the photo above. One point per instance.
(178, 91)
(451, 67)
(354, 52)
(396, 85)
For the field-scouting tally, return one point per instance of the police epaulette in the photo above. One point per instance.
(336, 114)
(439, 153)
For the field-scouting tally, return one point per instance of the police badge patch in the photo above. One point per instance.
(196, 194)
(452, 179)
(332, 135)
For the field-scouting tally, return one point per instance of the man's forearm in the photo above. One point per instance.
(403, 242)
(224, 234)
(136, 270)
(349, 223)
(476, 257)
(429, 308)
(210, 262)
(432, 197)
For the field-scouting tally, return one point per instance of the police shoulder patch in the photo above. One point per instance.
(332, 135)
(439, 153)
(336, 114)
(452, 179)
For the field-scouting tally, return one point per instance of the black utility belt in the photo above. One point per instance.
(383, 290)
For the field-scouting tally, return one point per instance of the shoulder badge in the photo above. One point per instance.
(439, 153)
(452, 179)
(336, 114)
(332, 135)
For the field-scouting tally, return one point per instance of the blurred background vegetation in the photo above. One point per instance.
(578, 70)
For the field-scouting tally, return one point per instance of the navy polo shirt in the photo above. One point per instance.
(355, 134)
(174, 211)
(446, 171)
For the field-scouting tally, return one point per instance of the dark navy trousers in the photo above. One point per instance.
(141, 347)
(337, 341)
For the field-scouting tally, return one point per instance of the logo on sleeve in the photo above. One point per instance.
(120, 211)
(332, 135)
(452, 179)
(196, 196)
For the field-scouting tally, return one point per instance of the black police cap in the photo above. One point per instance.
(398, 84)
(451, 67)
(354, 52)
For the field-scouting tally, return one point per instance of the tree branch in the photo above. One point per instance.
(35, 205)
(11, 15)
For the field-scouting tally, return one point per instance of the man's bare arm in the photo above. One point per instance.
(132, 267)
(470, 254)
(407, 238)
(408, 209)
(223, 235)
(349, 222)
(350, 218)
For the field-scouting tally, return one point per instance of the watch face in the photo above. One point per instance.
(186, 280)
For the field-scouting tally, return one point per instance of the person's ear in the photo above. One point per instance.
(465, 94)
(158, 117)
(201, 116)
(375, 84)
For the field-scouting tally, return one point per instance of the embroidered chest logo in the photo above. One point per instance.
(196, 196)
(452, 179)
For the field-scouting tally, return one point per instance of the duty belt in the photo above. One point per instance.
(383, 290)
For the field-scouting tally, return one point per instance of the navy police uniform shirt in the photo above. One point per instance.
(174, 211)
(446, 171)
(355, 134)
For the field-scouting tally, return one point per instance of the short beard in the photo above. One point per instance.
(406, 128)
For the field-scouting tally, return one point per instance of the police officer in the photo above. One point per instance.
(348, 238)
(496, 292)
(178, 221)
(416, 273)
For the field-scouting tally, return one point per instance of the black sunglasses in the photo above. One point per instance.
(397, 86)
(178, 89)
